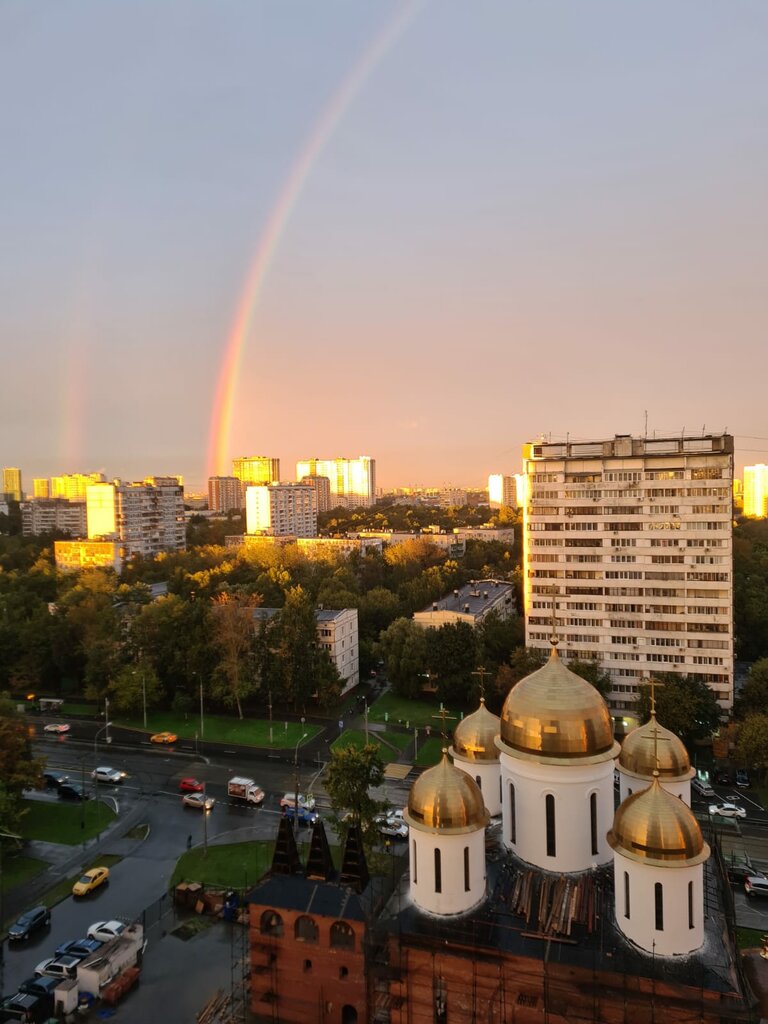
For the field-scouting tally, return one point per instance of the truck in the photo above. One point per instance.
(241, 788)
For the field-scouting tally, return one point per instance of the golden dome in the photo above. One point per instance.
(474, 738)
(655, 827)
(553, 713)
(642, 752)
(446, 799)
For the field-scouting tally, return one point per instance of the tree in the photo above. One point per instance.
(233, 632)
(292, 639)
(752, 743)
(498, 638)
(753, 696)
(452, 657)
(685, 706)
(18, 769)
(351, 775)
(592, 671)
(522, 663)
(134, 687)
(403, 648)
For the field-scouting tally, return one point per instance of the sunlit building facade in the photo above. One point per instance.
(146, 517)
(756, 491)
(634, 537)
(73, 555)
(52, 515)
(352, 481)
(281, 510)
(73, 486)
(255, 469)
(12, 484)
(41, 487)
(502, 491)
(225, 494)
(322, 486)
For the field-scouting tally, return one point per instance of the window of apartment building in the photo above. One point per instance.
(624, 607)
(583, 542)
(584, 527)
(665, 609)
(670, 510)
(622, 476)
(663, 641)
(583, 478)
(703, 510)
(666, 627)
(665, 575)
(709, 577)
(665, 474)
(623, 558)
(625, 624)
(623, 574)
(624, 640)
(709, 559)
(708, 627)
(664, 542)
(544, 478)
(663, 492)
(624, 542)
(707, 473)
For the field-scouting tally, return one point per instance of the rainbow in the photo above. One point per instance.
(322, 130)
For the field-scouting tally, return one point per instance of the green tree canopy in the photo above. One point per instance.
(753, 696)
(403, 648)
(351, 775)
(685, 706)
(752, 743)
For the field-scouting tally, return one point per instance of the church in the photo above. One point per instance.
(535, 892)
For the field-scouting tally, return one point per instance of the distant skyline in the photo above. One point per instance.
(443, 230)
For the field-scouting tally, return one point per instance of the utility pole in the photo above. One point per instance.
(202, 719)
(296, 770)
(144, 694)
(365, 715)
(269, 692)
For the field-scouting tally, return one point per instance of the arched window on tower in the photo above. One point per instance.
(512, 816)
(414, 864)
(466, 869)
(658, 897)
(626, 894)
(479, 782)
(549, 809)
(690, 904)
(438, 873)
(593, 822)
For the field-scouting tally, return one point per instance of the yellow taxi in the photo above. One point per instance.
(90, 881)
(163, 737)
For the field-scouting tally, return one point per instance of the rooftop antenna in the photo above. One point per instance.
(554, 638)
(646, 423)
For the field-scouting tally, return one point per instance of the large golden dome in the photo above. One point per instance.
(655, 827)
(553, 713)
(446, 799)
(474, 738)
(651, 747)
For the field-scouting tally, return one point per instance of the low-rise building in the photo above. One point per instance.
(471, 603)
(73, 555)
(337, 633)
(53, 515)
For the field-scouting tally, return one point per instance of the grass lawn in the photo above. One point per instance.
(749, 938)
(391, 708)
(73, 708)
(356, 738)
(429, 751)
(18, 869)
(235, 866)
(252, 732)
(62, 822)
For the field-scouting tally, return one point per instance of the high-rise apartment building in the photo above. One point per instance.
(352, 481)
(73, 486)
(502, 491)
(633, 537)
(147, 517)
(756, 491)
(322, 486)
(225, 494)
(281, 510)
(255, 469)
(12, 484)
(53, 515)
(41, 487)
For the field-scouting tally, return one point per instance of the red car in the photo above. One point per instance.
(191, 786)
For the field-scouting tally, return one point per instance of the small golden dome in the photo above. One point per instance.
(642, 752)
(554, 713)
(447, 799)
(655, 827)
(474, 738)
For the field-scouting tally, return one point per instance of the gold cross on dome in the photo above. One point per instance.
(482, 672)
(444, 716)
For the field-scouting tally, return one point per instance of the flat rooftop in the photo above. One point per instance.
(473, 598)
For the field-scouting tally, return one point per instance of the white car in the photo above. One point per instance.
(105, 774)
(727, 810)
(57, 967)
(306, 801)
(198, 801)
(389, 825)
(59, 727)
(106, 930)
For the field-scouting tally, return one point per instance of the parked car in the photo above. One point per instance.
(756, 885)
(163, 737)
(727, 810)
(723, 777)
(78, 947)
(106, 774)
(740, 871)
(72, 791)
(391, 827)
(306, 817)
(90, 881)
(58, 967)
(106, 930)
(53, 779)
(26, 1007)
(191, 786)
(33, 921)
(702, 788)
(306, 801)
(742, 778)
(198, 801)
(39, 986)
(58, 727)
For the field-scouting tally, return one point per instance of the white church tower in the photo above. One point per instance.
(446, 818)
(557, 755)
(658, 863)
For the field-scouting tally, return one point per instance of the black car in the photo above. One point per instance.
(34, 920)
(39, 986)
(25, 1007)
(78, 947)
(740, 871)
(72, 791)
(54, 780)
(723, 777)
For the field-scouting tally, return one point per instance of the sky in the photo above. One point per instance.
(445, 228)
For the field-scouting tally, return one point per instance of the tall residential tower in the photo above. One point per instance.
(352, 481)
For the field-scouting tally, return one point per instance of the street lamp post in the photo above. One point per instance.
(144, 694)
(296, 769)
(269, 692)
(202, 719)
(365, 715)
